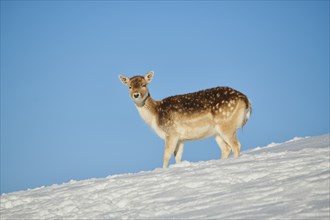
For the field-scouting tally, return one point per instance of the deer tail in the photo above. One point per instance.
(248, 112)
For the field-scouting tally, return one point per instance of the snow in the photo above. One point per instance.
(279, 181)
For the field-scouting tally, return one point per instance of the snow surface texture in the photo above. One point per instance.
(279, 181)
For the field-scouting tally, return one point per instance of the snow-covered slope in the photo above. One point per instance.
(281, 181)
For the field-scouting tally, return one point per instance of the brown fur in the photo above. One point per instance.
(217, 112)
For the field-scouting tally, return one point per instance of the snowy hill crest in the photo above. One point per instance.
(288, 180)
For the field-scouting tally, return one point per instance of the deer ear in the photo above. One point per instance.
(124, 79)
(148, 77)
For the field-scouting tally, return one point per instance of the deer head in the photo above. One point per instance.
(138, 87)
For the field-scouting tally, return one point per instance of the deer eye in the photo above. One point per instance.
(144, 85)
(130, 87)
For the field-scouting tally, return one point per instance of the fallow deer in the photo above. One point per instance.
(217, 112)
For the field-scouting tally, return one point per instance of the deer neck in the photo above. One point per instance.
(147, 111)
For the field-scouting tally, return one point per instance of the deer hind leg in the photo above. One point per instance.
(225, 148)
(178, 152)
(170, 145)
(228, 135)
(236, 145)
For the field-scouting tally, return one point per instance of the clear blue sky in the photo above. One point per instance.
(65, 115)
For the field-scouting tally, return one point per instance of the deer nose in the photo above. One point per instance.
(136, 95)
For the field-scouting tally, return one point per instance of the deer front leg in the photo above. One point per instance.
(170, 145)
